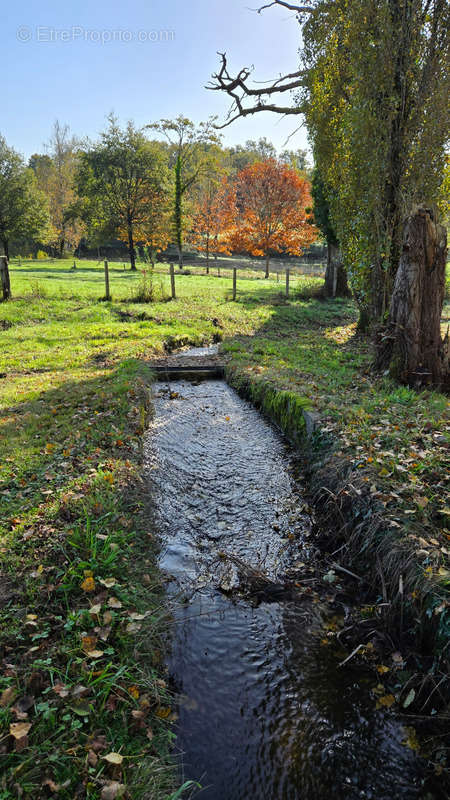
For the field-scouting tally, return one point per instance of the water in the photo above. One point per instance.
(265, 712)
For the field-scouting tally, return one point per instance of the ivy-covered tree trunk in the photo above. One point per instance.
(178, 212)
(131, 251)
(335, 276)
(410, 346)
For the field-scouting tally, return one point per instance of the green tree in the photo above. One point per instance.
(116, 177)
(374, 87)
(23, 207)
(189, 147)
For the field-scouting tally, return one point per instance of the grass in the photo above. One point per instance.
(74, 404)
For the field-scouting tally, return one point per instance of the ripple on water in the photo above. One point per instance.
(265, 712)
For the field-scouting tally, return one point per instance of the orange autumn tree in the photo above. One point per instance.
(274, 203)
(214, 216)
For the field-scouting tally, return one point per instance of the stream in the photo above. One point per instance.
(265, 712)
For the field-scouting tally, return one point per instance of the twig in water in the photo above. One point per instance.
(353, 653)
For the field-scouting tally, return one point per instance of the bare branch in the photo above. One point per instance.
(237, 88)
(289, 6)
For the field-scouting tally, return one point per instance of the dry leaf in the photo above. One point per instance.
(113, 758)
(88, 643)
(7, 696)
(113, 602)
(113, 791)
(108, 582)
(95, 610)
(387, 700)
(92, 758)
(19, 729)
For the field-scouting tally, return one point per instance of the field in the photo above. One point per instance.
(80, 598)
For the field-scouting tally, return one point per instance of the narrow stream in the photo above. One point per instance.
(265, 713)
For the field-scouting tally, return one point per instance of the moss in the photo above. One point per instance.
(282, 407)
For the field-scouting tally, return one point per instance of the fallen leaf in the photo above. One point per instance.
(387, 700)
(409, 698)
(7, 696)
(95, 610)
(88, 584)
(113, 758)
(19, 729)
(113, 602)
(113, 791)
(108, 582)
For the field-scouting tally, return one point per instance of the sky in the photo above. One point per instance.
(142, 59)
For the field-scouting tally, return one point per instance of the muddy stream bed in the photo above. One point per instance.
(265, 710)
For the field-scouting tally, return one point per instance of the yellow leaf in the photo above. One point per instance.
(163, 713)
(88, 584)
(113, 758)
(7, 696)
(387, 700)
(134, 691)
(19, 729)
(381, 668)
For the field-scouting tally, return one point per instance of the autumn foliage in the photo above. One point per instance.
(214, 218)
(273, 203)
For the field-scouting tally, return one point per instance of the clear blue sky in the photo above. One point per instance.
(78, 79)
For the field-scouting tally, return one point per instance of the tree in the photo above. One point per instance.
(58, 183)
(118, 175)
(273, 202)
(410, 345)
(189, 145)
(214, 217)
(335, 276)
(373, 85)
(23, 208)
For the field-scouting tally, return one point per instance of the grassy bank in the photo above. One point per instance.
(80, 598)
(81, 616)
(378, 475)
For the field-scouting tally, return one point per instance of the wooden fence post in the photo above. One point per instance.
(287, 281)
(4, 275)
(172, 281)
(234, 283)
(107, 294)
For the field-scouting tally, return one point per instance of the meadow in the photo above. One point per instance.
(81, 600)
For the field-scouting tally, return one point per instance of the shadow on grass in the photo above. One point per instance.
(51, 440)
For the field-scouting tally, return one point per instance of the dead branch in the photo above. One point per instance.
(237, 88)
(289, 6)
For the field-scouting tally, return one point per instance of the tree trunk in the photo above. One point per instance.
(5, 243)
(335, 276)
(178, 214)
(4, 278)
(411, 346)
(207, 254)
(266, 275)
(131, 252)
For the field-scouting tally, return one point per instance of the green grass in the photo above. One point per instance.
(74, 403)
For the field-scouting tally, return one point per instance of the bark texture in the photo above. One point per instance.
(411, 346)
